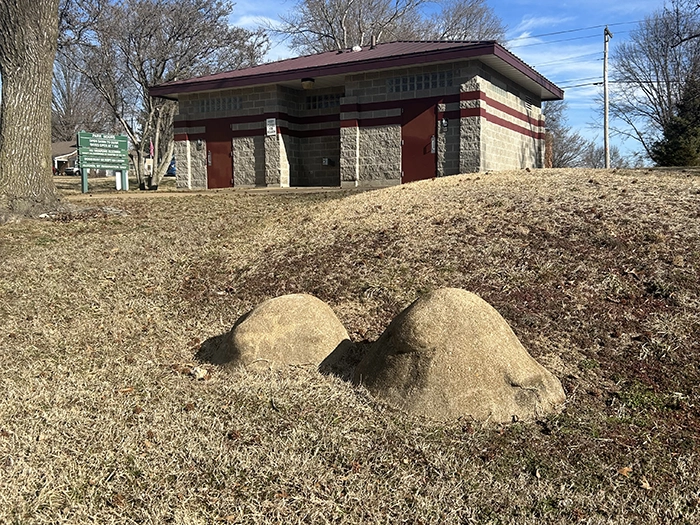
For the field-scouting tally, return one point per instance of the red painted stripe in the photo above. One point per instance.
(247, 119)
(398, 104)
(481, 112)
(480, 95)
(326, 132)
(283, 130)
(514, 127)
(514, 112)
(472, 112)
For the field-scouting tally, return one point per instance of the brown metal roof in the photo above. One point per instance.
(382, 56)
(61, 149)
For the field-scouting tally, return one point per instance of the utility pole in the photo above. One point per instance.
(607, 35)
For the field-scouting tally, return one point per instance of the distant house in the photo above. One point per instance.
(64, 156)
(376, 115)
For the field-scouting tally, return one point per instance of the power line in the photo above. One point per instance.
(575, 30)
(567, 59)
(564, 40)
(622, 82)
(582, 79)
(584, 85)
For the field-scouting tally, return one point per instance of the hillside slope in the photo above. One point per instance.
(103, 317)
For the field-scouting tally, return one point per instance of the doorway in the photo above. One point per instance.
(419, 141)
(219, 155)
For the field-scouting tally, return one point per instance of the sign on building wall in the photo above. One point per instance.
(103, 152)
(271, 124)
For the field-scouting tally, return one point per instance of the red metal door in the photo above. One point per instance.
(418, 152)
(219, 158)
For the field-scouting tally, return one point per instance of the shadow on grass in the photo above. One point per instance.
(341, 362)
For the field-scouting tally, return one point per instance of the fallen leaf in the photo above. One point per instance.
(644, 483)
(625, 471)
(200, 374)
(118, 500)
(189, 407)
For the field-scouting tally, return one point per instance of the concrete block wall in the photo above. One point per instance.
(379, 155)
(379, 86)
(191, 160)
(517, 140)
(314, 150)
(512, 131)
(371, 152)
(448, 140)
(349, 156)
(248, 161)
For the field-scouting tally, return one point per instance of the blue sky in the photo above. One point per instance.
(567, 59)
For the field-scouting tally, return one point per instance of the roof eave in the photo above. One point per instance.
(547, 90)
(439, 55)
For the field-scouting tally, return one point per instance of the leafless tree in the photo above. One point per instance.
(650, 71)
(593, 156)
(76, 105)
(326, 25)
(27, 50)
(126, 46)
(465, 20)
(567, 145)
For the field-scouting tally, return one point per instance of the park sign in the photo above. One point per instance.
(102, 151)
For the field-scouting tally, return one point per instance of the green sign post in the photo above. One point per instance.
(104, 152)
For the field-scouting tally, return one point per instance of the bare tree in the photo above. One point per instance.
(314, 26)
(651, 70)
(593, 156)
(464, 20)
(27, 50)
(326, 25)
(126, 46)
(567, 146)
(76, 105)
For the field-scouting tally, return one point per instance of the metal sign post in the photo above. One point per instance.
(105, 152)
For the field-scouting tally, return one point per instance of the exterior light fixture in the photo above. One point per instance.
(443, 122)
(307, 83)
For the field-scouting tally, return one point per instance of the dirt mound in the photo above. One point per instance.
(295, 329)
(450, 354)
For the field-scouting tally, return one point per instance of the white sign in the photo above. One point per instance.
(271, 124)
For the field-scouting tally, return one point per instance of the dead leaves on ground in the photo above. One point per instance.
(198, 373)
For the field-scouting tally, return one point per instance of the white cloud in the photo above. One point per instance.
(528, 23)
(255, 21)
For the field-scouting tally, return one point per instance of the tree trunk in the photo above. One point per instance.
(27, 51)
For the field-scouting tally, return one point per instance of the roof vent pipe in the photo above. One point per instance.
(374, 42)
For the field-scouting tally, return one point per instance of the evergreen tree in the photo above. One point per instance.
(680, 145)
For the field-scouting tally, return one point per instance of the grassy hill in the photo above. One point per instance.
(103, 316)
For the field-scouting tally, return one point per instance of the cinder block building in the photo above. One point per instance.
(372, 116)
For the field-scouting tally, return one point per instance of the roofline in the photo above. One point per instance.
(529, 72)
(438, 55)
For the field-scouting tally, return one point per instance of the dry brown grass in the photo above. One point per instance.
(102, 317)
